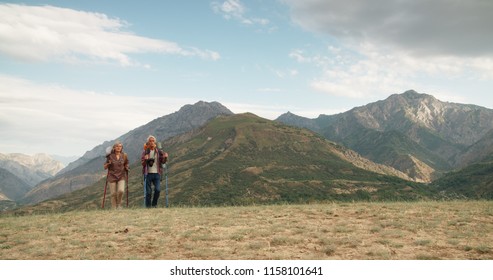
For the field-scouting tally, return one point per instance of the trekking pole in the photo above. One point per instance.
(166, 182)
(105, 185)
(126, 173)
(145, 189)
(108, 152)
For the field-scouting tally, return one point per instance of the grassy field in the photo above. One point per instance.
(401, 230)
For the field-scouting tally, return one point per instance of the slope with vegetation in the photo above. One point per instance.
(244, 159)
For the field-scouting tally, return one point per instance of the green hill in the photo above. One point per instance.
(244, 159)
(475, 181)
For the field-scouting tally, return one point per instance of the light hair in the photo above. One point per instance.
(117, 142)
(150, 136)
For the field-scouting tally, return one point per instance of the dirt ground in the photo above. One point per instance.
(341, 231)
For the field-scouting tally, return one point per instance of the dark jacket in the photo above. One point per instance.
(162, 158)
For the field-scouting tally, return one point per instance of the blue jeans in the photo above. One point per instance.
(152, 178)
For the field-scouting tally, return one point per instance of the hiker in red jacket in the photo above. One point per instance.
(152, 160)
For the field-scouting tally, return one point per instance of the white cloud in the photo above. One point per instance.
(421, 27)
(344, 74)
(49, 118)
(391, 46)
(299, 56)
(374, 73)
(42, 33)
(234, 9)
(230, 8)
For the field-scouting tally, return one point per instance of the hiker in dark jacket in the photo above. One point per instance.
(117, 163)
(152, 159)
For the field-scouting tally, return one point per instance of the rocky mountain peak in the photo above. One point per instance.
(459, 123)
(407, 100)
(288, 116)
(422, 108)
(412, 94)
(194, 115)
(39, 162)
(30, 168)
(203, 107)
(185, 119)
(296, 120)
(413, 132)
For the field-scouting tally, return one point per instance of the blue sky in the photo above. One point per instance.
(76, 73)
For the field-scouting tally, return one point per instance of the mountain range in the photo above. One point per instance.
(403, 147)
(20, 173)
(414, 133)
(88, 169)
(31, 169)
(243, 159)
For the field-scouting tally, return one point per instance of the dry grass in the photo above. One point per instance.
(414, 230)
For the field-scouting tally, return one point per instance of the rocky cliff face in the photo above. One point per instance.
(419, 134)
(457, 123)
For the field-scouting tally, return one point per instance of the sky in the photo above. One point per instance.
(74, 74)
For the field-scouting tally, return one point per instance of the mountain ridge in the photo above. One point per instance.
(88, 169)
(12, 187)
(423, 129)
(407, 145)
(243, 159)
(32, 169)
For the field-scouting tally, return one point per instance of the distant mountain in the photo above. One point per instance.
(11, 186)
(89, 168)
(30, 169)
(244, 159)
(412, 132)
(65, 160)
(67, 182)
